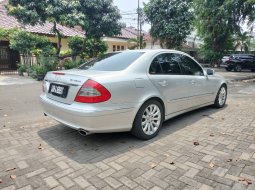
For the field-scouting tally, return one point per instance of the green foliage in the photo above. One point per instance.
(86, 48)
(49, 62)
(65, 52)
(94, 48)
(22, 68)
(40, 69)
(75, 43)
(70, 64)
(170, 19)
(29, 43)
(5, 33)
(38, 12)
(217, 21)
(243, 40)
(44, 65)
(97, 18)
(135, 43)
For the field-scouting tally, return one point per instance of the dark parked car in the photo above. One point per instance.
(238, 62)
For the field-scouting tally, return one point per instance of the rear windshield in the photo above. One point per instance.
(112, 61)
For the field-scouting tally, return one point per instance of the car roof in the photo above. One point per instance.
(155, 50)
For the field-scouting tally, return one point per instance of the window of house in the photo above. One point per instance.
(118, 48)
(113, 48)
(122, 48)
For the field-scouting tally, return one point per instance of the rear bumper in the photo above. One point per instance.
(93, 121)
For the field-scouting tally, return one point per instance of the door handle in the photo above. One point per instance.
(162, 83)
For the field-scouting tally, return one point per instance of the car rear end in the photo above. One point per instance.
(230, 63)
(82, 103)
(97, 97)
(224, 60)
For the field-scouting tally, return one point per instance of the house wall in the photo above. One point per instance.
(123, 44)
(11, 62)
(63, 42)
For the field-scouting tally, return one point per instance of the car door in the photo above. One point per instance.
(253, 62)
(165, 74)
(200, 89)
(250, 62)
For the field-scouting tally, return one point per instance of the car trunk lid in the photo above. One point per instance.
(63, 86)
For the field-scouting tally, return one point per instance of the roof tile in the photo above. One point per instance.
(8, 22)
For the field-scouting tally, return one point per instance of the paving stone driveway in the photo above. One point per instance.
(48, 155)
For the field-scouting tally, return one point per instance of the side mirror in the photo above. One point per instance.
(210, 72)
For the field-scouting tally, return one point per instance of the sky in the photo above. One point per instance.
(128, 9)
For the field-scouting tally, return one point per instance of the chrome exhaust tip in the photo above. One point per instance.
(82, 132)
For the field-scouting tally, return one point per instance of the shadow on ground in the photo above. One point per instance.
(97, 147)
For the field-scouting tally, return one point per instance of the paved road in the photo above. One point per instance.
(233, 76)
(39, 153)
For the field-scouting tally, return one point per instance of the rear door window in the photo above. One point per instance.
(165, 64)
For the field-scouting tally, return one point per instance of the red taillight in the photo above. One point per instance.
(92, 92)
(58, 73)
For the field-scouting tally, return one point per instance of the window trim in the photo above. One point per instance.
(196, 63)
(161, 66)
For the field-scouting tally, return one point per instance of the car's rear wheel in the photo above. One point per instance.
(148, 120)
(238, 68)
(228, 69)
(253, 70)
(221, 97)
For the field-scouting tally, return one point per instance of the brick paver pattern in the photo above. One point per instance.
(50, 156)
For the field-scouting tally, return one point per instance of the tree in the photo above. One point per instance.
(38, 12)
(30, 44)
(93, 47)
(135, 43)
(217, 21)
(97, 18)
(170, 21)
(243, 40)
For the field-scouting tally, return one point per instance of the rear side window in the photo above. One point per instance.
(112, 61)
(189, 66)
(165, 64)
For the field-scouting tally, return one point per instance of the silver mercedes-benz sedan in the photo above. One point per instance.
(134, 90)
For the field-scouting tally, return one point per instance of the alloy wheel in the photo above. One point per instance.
(222, 96)
(151, 119)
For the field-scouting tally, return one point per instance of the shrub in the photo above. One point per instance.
(22, 68)
(70, 64)
(40, 70)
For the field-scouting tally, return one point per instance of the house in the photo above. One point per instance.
(120, 42)
(9, 58)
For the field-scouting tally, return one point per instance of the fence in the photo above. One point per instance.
(9, 72)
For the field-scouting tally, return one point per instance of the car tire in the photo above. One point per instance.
(253, 70)
(221, 97)
(148, 120)
(238, 68)
(228, 69)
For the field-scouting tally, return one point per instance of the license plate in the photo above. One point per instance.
(58, 90)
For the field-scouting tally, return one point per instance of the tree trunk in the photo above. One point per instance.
(59, 36)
